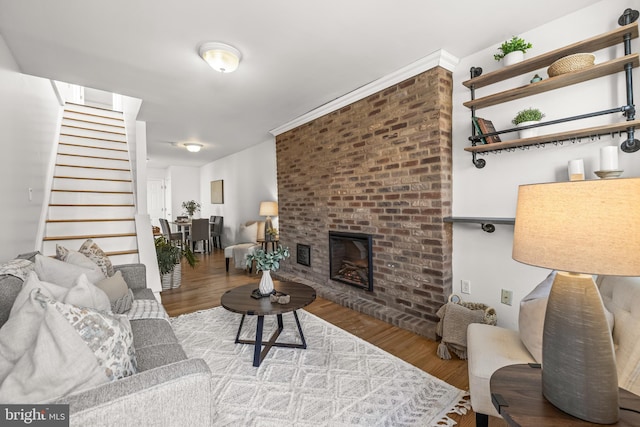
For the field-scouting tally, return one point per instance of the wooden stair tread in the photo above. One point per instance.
(92, 157)
(92, 167)
(113, 205)
(91, 106)
(93, 130)
(93, 137)
(93, 147)
(92, 191)
(129, 252)
(93, 123)
(89, 178)
(88, 236)
(84, 113)
(90, 220)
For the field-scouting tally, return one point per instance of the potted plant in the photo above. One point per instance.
(267, 262)
(528, 117)
(271, 234)
(191, 207)
(169, 258)
(512, 51)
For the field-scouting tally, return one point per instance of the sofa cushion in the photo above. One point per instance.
(155, 343)
(248, 233)
(98, 256)
(9, 289)
(531, 316)
(18, 267)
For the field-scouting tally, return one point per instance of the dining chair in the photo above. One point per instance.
(200, 231)
(216, 231)
(166, 231)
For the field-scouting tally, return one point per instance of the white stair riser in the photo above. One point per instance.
(93, 111)
(93, 152)
(92, 142)
(92, 227)
(124, 259)
(68, 198)
(89, 122)
(111, 244)
(93, 118)
(82, 212)
(86, 161)
(92, 134)
(91, 173)
(83, 184)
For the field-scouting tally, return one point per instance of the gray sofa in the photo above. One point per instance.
(168, 390)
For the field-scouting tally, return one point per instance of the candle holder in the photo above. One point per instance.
(609, 174)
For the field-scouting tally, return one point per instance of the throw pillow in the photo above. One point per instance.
(109, 336)
(74, 257)
(42, 356)
(248, 233)
(62, 273)
(19, 268)
(98, 256)
(120, 296)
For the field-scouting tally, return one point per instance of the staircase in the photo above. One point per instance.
(92, 189)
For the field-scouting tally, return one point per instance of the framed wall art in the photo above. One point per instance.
(217, 192)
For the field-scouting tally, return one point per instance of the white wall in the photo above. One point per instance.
(249, 178)
(485, 258)
(29, 117)
(185, 185)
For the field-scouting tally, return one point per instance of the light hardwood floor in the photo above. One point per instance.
(203, 286)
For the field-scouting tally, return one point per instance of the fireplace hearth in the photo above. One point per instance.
(350, 259)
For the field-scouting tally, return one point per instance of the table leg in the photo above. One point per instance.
(239, 329)
(304, 343)
(258, 346)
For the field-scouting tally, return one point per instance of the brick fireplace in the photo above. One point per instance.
(382, 167)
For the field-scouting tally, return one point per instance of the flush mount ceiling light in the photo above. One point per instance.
(194, 148)
(220, 56)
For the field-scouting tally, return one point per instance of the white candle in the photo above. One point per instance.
(576, 170)
(609, 158)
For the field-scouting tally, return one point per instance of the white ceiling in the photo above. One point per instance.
(297, 55)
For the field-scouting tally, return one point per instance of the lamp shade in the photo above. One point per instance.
(268, 208)
(588, 227)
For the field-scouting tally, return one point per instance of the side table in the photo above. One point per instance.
(275, 243)
(516, 392)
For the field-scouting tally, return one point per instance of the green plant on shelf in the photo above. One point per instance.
(512, 45)
(528, 115)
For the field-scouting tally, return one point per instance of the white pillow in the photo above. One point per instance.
(248, 233)
(62, 273)
(74, 257)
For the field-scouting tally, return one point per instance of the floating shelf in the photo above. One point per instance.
(555, 137)
(593, 44)
(603, 69)
(486, 223)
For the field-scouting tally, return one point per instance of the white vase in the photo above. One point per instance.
(266, 283)
(528, 133)
(513, 58)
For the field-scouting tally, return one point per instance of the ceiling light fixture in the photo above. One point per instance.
(220, 56)
(194, 148)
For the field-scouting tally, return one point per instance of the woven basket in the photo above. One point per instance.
(571, 63)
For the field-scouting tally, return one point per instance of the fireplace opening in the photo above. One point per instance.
(350, 259)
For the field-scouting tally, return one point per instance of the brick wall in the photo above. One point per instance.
(380, 166)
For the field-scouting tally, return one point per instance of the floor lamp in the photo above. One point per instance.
(579, 228)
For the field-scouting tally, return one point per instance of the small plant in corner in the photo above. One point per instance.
(512, 45)
(528, 115)
(168, 255)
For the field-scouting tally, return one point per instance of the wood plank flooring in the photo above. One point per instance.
(203, 286)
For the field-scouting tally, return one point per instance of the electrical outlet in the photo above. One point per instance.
(465, 286)
(506, 297)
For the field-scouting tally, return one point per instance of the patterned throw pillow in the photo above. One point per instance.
(123, 304)
(19, 268)
(108, 336)
(97, 255)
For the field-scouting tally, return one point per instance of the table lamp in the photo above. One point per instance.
(579, 228)
(267, 209)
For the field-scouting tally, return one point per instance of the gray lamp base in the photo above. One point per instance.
(268, 225)
(578, 361)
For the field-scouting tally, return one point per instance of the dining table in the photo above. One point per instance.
(184, 226)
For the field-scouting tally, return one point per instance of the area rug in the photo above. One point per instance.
(338, 380)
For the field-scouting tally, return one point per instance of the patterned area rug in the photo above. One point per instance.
(339, 380)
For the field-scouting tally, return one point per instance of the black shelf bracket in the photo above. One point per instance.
(631, 145)
(478, 163)
(487, 224)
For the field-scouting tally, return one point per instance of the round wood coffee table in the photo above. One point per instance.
(239, 300)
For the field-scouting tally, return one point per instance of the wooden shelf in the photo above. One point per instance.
(480, 220)
(555, 137)
(599, 70)
(585, 46)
